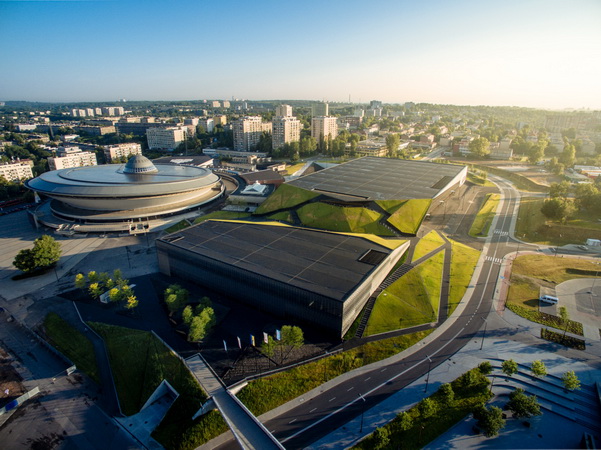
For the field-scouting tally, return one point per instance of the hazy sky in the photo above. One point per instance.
(539, 53)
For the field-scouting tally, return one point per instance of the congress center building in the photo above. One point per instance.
(135, 197)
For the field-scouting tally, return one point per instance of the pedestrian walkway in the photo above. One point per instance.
(247, 430)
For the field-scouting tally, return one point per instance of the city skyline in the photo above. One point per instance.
(533, 54)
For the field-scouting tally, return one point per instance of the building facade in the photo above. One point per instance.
(165, 138)
(285, 130)
(283, 111)
(322, 127)
(16, 171)
(71, 157)
(125, 150)
(320, 109)
(247, 132)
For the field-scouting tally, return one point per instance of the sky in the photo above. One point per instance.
(532, 53)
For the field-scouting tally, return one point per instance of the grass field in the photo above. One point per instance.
(427, 244)
(337, 218)
(408, 217)
(285, 197)
(71, 343)
(227, 215)
(282, 216)
(426, 429)
(294, 168)
(533, 226)
(264, 394)
(411, 300)
(463, 264)
(480, 181)
(485, 216)
(178, 226)
(139, 363)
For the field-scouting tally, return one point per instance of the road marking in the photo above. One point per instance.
(317, 422)
(383, 369)
(367, 379)
(312, 410)
(293, 420)
(333, 398)
(350, 389)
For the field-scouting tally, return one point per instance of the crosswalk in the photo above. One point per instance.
(494, 260)
(501, 232)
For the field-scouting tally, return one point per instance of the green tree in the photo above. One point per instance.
(45, 253)
(427, 407)
(523, 405)
(268, 348)
(557, 209)
(559, 190)
(187, 315)
(92, 276)
(570, 380)
(509, 367)
(392, 144)
(381, 437)
(490, 420)
(538, 368)
(292, 336)
(175, 297)
(568, 156)
(485, 367)
(94, 290)
(480, 147)
(405, 420)
(564, 315)
(446, 394)
(469, 379)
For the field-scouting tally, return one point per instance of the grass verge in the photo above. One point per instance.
(73, 344)
(411, 300)
(178, 226)
(264, 394)
(285, 197)
(485, 216)
(468, 395)
(463, 264)
(337, 218)
(139, 363)
(427, 244)
(409, 216)
(227, 215)
(559, 338)
(282, 216)
(546, 319)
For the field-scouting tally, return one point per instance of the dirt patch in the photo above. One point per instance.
(10, 380)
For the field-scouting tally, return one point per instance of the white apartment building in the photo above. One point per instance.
(225, 104)
(15, 171)
(283, 111)
(165, 138)
(208, 124)
(322, 127)
(285, 130)
(71, 157)
(113, 152)
(216, 104)
(247, 132)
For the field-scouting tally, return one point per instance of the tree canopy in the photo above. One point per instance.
(523, 405)
(45, 253)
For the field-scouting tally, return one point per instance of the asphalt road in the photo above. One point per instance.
(335, 407)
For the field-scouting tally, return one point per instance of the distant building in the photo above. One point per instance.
(285, 130)
(369, 148)
(375, 104)
(208, 124)
(216, 104)
(247, 132)
(69, 157)
(25, 127)
(165, 138)
(125, 150)
(502, 150)
(283, 111)
(322, 127)
(15, 171)
(320, 109)
(225, 104)
(95, 130)
(220, 120)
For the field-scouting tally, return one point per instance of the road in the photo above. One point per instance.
(333, 408)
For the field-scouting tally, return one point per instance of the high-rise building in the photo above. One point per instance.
(375, 104)
(208, 124)
(116, 151)
(68, 157)
(165, 138)
(283, 111)
(248, 131)
(320, 109)
(322, 127)
(286, 129)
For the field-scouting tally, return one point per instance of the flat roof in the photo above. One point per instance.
(329, 264)
(372, 178)
(261, 175)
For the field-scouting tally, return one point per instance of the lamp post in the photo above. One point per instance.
(484, 333)
(362, 412)
(428, 374)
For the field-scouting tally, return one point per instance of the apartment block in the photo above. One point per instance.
(320, 109)
(286, 129)
(283, 111)
(68, 157)
(15, 171)
(247, 132)
(117, 151)
(165, 138)
(322, 127)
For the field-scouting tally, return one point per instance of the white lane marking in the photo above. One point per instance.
(369, 392)
(383, 369)
(350, 389)
(333, 398)
(367, 379)
(312, 410)
(293, 420)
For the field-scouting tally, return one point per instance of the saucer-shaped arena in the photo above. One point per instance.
(117, 193)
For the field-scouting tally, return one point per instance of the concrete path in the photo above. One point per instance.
(247, 430)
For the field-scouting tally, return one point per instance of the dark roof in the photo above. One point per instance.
(328, 264)
(261, 175)
(371, 178)
(195, 160)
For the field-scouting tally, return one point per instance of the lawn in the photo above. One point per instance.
(427, 244)
(408, 217)
(264, 394)
(285, 197)
(447, 414)
(533, 226)
(282, 216)
(479, 180)
(411, 300)
(139, 363)
(178, 226)
(463, 264)
(71, 343)
(485, 216)
(390, 206)
(226, 215)
(294, 168)
(338, 218)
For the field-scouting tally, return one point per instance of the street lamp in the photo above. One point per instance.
(484, 333)
(428, 374)
(362, 412)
